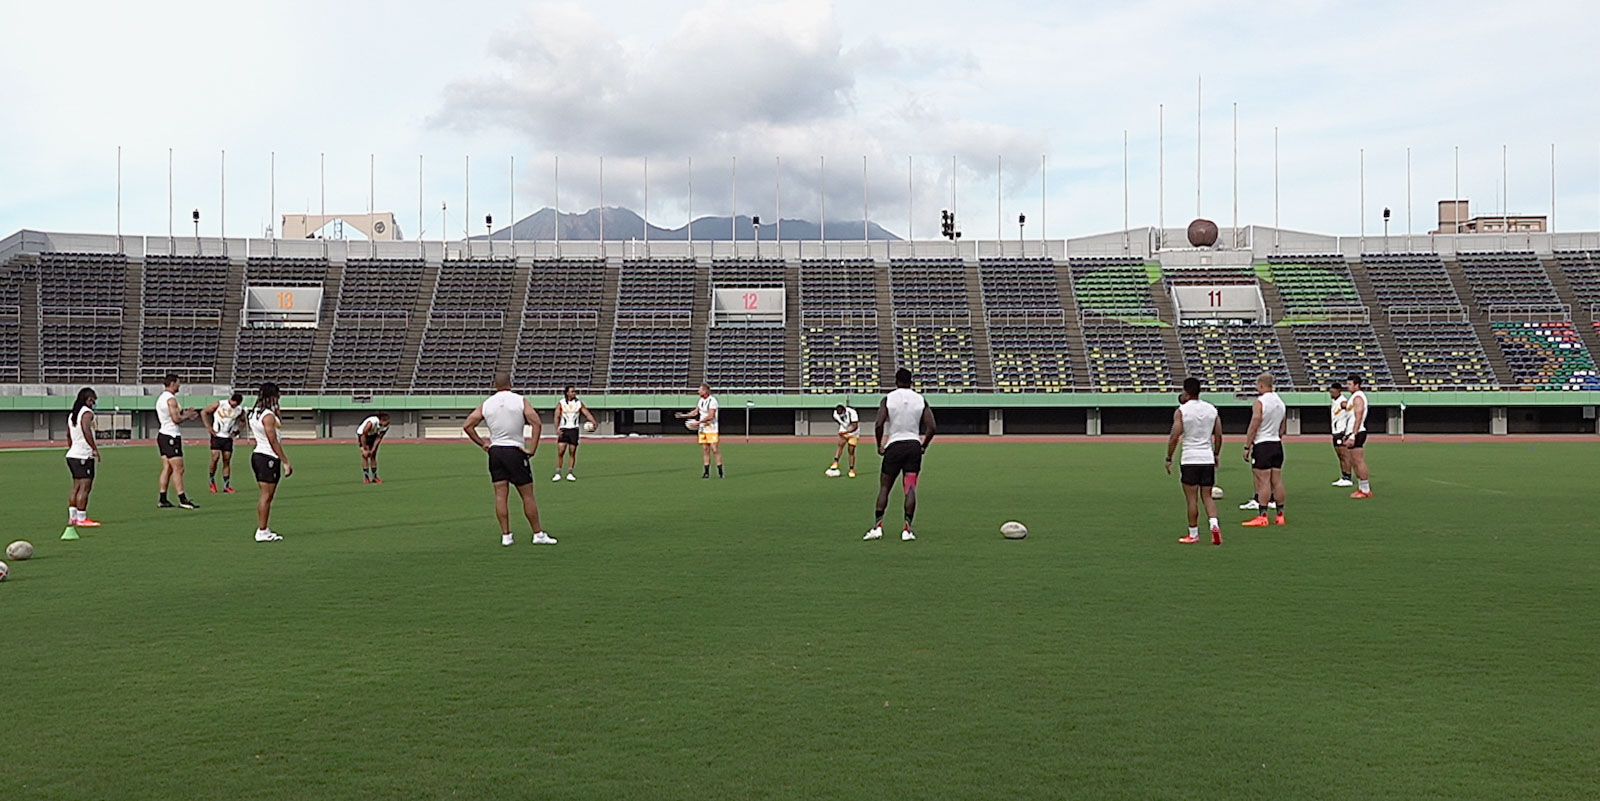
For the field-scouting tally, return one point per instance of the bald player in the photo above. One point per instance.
(505, 413)
(1263, 449)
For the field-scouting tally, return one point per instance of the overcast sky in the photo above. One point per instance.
(669, 82)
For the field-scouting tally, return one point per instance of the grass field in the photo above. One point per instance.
(736, 639)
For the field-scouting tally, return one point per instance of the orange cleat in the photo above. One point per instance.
(87, 523)
(1216, 536)
(213, 488)
(230, 490)
(1359, 495)
(1280, 520)
(377, 481)
(1189, 539)
(1258, 521)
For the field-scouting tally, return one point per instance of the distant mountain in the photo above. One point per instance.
(622, 224)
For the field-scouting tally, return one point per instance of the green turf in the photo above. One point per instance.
(736, 639)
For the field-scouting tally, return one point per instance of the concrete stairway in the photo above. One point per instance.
(888, 360)
(980, 327)
(1380, 320)
(1580, 316)
(1077, 350)
(1480, 325)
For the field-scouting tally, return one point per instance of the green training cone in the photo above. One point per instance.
(70, 534)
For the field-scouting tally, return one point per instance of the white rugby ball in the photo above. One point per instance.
(1012, 530)
(1216, 493)
(4, 571)
(588, 426)
(21, 551)
(691, 424)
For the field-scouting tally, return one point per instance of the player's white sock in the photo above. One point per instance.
(1272, 506)
(1365, 487)
(1194, 531)
(1213, 522)
(72, 514)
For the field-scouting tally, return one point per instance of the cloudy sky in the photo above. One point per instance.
(910, 86)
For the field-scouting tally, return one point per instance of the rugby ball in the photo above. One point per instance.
(832, 472)
(1012, 530)
(588, 427)
(21, 551)
(4, 571)
(692, 424)
(1216, 493)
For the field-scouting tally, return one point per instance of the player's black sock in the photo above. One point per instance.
(908, 519)
(878, 518)
(213, 476)
(183, 497)
(226, 480)
(1280, 509)
(1346, 476)
(719, 471)
(366, 473)
(164, 498)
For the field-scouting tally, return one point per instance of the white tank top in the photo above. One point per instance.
(164, 416)
(225, 420)
(846, 419)
(78, 444)
(905, 415)
(1199, 418)
(569, 413)
(1339, 413)
(1365, 412)
(258, 429)
(705, 407)
(502, 413)
(1272, 413)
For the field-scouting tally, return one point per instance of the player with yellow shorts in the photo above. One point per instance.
(703, 419)
(849, 436)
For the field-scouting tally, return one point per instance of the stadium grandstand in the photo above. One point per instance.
(1455, 332)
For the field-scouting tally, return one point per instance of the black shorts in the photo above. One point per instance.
(170, 447)
(568, 436)
(509, 463)
(904, 456)
(1198, 475)
(81, 468)
(1338, 440)
(369, 441)
(1360, 440)
(1267, 456)
(269, 469)
(224, 444)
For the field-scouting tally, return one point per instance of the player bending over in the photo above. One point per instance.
(1263, 448)
(849, 436)
(1341, 417)
(222, 419)
(1356, 444)
(1197, 426)
(568, 410)
(369, 435)
(169, 441)
(909, 421)
(504, 413)
(269, 462)
(705, 416)
(83, 452)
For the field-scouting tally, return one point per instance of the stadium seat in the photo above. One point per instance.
(1114, 287)
(1228, 358)
(1508, 280)
(1442, 355)
(1311, 285)
(1547, 355)
(1334, 351)
(1126, 358)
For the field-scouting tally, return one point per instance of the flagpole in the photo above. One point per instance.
(864, 233)
(1457, 204)
(372, 200)
(1408, 197)
(1125, 233)
(222, 201)
(1044, 173)
(272, 200)
(691, 210)
(1277, 226)
(733, 221)
(1198, 151)
(557, 188)
(911, 203)
(466, 227)
(647, 207)
(422, 251)
(822, 201)
(602, 207)
(119, 198)
(169, 202)
(1552, 226)
(999, 214)
(1362, 209)
(777, 202)
(1235, 234)
(512, 185)
(1161, 174)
